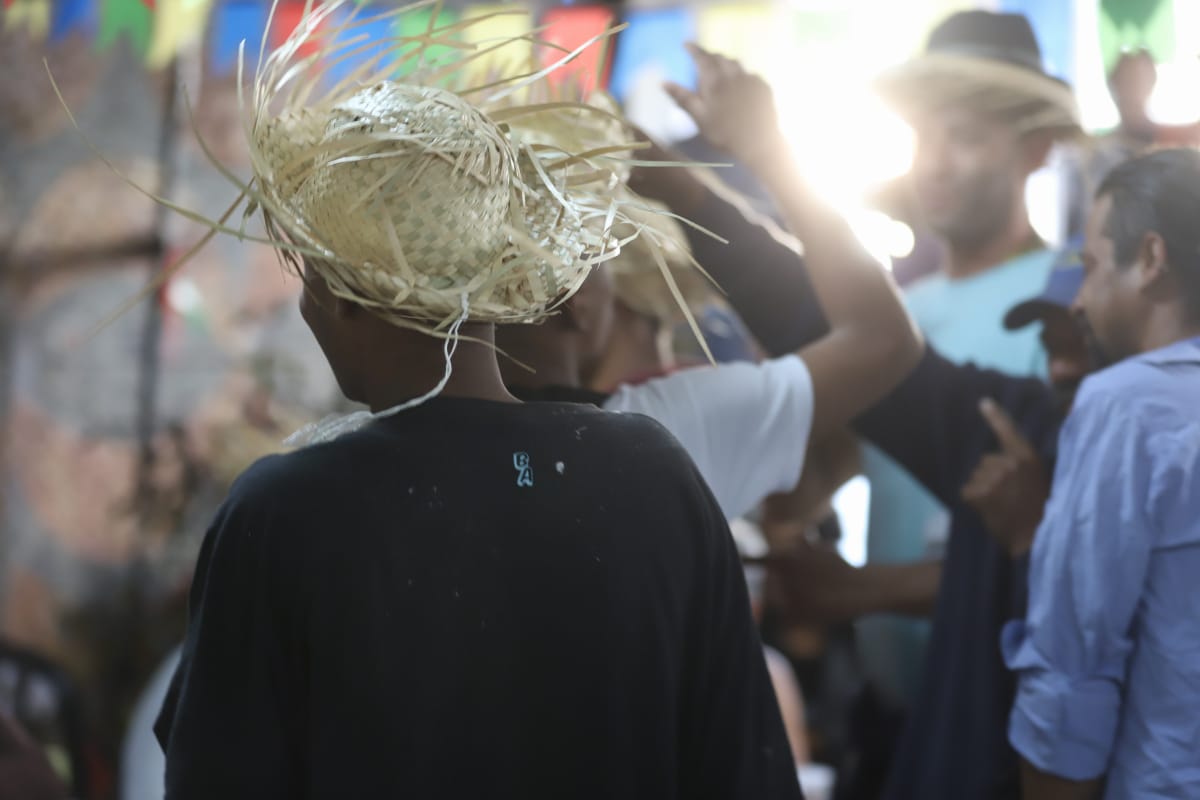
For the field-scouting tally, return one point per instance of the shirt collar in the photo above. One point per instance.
(1186, 351)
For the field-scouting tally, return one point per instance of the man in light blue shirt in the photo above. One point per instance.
(1108, 657)
(974, 156)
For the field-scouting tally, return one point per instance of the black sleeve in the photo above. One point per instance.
(230, 727)
(763, 276)
(931, 425)
(733, 739)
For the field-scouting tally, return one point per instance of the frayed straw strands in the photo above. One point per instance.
(427, 201)
(405, 196)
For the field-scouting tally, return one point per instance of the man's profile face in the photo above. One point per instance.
(966, 169)
(1107, 304)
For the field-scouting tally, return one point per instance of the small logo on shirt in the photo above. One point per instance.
(524, 471)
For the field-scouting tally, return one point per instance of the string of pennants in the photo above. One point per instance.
(159, 30)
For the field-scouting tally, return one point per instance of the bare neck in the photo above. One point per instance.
(417, 363)
(1138, 125)
(1166, 325)
(965, 260)
(632, 350)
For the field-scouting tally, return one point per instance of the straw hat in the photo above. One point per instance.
(427, 202)
(411, 201)
(988, 61)
(636, 276)
(654, 273)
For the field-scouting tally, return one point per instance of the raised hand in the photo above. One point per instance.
(1009, 488)
(734, 109)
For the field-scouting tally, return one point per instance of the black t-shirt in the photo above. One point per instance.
(474, 600)
(956, 744)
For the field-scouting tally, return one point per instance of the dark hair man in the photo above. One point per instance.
(1107, 656)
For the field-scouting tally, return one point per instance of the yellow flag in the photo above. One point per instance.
(177, 25)
(33, 15)
(505, 22)
(750, 32)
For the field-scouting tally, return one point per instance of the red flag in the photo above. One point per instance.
(570, 28)
(287, 17)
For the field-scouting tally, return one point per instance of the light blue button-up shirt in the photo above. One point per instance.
(1108, 657)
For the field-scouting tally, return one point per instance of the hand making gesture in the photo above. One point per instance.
(734, 109)
(1008, 488)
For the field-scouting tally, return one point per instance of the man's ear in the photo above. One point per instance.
(1153, 271)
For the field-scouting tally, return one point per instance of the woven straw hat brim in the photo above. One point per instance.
(936, 80)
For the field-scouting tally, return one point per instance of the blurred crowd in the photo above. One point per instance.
(1027, 417)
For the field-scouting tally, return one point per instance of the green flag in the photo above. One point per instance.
(1133, 24)
(132, 18)
(418, 23)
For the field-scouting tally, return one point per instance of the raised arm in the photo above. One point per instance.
(872, 343)
(758, 266)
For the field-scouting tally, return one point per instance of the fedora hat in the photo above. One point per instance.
(989, 61)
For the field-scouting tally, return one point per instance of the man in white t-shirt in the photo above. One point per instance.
(746, 426)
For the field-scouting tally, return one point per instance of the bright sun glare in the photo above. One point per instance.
(850, 146)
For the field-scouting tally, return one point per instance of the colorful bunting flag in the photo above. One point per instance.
(177, 24)
(377, 31)
(233, 22)
(287, 16)
(513, 21)
(571, 28)
(32, 15)
(421, 21)
(1131, 24)
(71, 14)
(750, 32)
(125, 17)
(653, 45)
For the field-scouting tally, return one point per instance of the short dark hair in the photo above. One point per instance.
(1158, 192)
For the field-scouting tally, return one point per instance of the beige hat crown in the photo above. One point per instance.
(411, 200)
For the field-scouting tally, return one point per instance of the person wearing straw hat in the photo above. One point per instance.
(747, 426)
(640, 344)
(452, 594)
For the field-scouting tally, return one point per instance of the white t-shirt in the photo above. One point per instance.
(746, 426)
